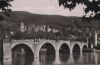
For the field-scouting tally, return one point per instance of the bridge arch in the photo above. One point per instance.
(47, 52)
(76, 48)
(21, 53)
(47, 46)
(28, 45)
(64, 52)
(41, 44)
(84, 48)
(64, 48)
(23, 47)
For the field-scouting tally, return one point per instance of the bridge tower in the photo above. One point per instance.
(95, 41)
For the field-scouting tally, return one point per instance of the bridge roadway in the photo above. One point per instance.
(36, 46)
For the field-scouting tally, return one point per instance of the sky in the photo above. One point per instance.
(49, 7)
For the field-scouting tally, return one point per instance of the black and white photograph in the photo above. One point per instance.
(49, 32)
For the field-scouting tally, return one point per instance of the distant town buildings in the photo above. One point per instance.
(37, 28)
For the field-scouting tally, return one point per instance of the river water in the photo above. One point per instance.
(62, 59)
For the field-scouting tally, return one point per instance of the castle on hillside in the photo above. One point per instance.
(37, 28)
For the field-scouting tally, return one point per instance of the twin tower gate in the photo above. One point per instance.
(34, 47)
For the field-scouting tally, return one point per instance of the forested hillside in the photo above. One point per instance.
(68, 26)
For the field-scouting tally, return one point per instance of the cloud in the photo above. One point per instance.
(44, 7)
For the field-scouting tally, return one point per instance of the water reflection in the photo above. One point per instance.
(64, 57)
(19, 58)
(76, 57)
(91, 58)
(84, 58)
(47, 58)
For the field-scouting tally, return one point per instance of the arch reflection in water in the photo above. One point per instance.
(84, 49)
(64, 52)
(76, 53)
(47, 53)
(22, 53)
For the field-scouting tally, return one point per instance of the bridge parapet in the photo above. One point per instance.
(14, 41)
(78, 42)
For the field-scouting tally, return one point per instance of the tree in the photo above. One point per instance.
(4, 7)
(5, 10)
(92, 6)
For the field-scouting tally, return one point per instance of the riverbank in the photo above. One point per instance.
(96, 50)
(89, 50)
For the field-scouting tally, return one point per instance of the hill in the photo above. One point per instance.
(29, 18)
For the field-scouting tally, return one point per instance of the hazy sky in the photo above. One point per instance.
(45, 7)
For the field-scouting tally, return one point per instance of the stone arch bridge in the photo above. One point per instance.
(34, 47)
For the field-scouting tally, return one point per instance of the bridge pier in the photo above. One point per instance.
(81, 58)
(8, 58)
(57, 60)
(36, 60)
(7, 53)
(70, 60)
(80, 51)
(36, 53)
(71, 50)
